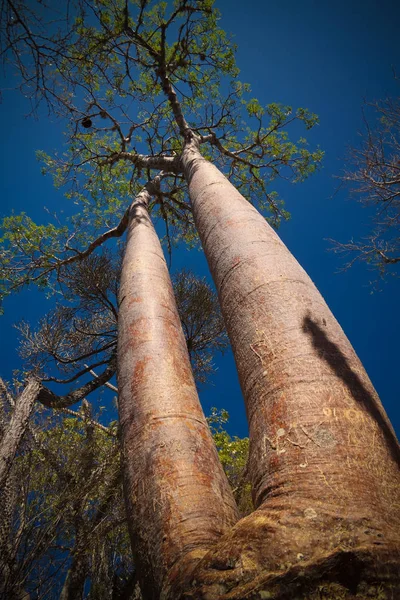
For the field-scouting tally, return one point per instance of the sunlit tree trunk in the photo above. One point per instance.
(178, 500)
(324, 460)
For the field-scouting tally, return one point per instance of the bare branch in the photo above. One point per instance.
(374, 180)
(107, 384)
(52, 400)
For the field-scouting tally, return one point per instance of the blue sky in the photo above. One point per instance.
(325, 56)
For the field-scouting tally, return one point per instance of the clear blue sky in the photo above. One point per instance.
(326, 56)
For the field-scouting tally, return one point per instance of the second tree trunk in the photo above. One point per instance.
(178, 499)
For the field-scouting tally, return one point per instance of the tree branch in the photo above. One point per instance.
(52, 400)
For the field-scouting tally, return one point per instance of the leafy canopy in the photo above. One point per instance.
(131, 81)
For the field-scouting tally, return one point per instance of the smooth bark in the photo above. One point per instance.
(324, 460)
(178, 499)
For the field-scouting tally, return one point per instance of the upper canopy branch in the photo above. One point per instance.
(164, 163)
(135, 88)
(20, 264)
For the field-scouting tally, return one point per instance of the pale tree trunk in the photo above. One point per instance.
(8, 499)
(11, 433)
(178, 499)
(17, 426)
(324, 460)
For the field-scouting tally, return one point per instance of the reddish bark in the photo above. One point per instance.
(324, 460)
(178, 500)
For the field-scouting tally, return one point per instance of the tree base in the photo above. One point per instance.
(224, 573)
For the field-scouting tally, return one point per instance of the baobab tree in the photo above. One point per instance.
(70, 458)
(323, 457)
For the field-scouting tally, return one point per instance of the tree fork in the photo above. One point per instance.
(323, 455)
(178, 499)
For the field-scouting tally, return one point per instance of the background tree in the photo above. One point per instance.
(13, 432)
(66, 520)
(202, 322)
(373, 176)
(63, 530)
(79, 336)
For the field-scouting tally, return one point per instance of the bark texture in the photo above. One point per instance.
(324, 460)
(17, 426)
(8, 500)
(178, 499)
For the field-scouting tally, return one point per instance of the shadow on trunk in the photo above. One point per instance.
(339, 364)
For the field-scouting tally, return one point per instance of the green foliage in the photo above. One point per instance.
(28, 252)
(68, 502)
(129, 81)
(233, 453)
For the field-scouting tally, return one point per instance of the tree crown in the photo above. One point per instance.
(133, 80)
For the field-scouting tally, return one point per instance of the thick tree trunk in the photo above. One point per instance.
(178, 500)
(324, 460)
(17, 426)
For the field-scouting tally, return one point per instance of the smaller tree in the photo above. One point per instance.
(63, 529)
(62, 521)
(202, 321)
(374, 178)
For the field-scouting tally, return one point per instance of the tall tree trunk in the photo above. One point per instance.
(178, 499)
(10, 584)
(324, 460)
(17, 426)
